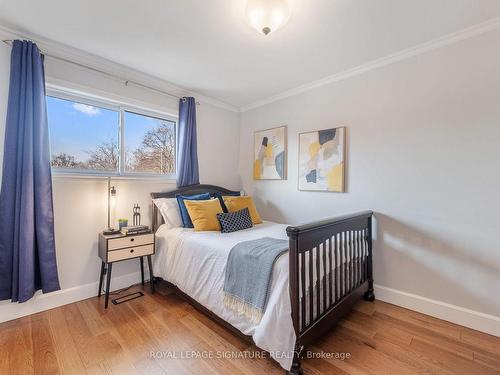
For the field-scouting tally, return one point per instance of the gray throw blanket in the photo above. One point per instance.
(248, 275)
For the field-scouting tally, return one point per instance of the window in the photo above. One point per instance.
(93, 137)
(83, 136)
(149, 144)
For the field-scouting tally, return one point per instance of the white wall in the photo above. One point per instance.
(423, 152)
(4, 94)
(80, 203)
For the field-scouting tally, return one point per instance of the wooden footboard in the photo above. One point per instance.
(330, 269)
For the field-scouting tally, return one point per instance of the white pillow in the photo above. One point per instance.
(169, 209)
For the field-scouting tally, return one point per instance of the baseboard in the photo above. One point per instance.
(459, 315)
(42, 302)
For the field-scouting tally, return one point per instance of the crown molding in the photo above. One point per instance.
(73, 54)
(419, 49)
(63, 51)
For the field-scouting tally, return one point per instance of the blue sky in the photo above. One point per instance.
(76, 128)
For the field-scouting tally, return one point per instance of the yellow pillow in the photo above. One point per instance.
(234, 204)
(203, 214)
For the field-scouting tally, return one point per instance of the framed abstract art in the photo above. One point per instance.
(322, 160)
(270, 154)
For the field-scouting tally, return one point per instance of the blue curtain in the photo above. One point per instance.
(187, 159)
(27, 246)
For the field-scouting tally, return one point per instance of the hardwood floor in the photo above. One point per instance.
(83, 338)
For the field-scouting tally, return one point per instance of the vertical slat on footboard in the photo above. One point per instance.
(362, 260)
(336, 284)
(350, 244)
(311, 285)
(331, 269)
(355, 258)
(303, 289)
(341, 265)
(325, 247)
(360, 256)
(293, 276)
(365, 262)
(318, 280)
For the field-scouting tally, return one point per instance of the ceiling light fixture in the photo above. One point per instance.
(267, 16)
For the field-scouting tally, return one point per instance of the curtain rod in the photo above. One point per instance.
(125, 81)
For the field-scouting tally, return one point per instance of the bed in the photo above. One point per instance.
(327, 269)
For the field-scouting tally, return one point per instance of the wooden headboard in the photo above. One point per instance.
(157, 219)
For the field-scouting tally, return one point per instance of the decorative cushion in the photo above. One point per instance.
(235, 221)
(186, 221)
(234, 204)
(221, 196)
(203, 214)
(169, 209)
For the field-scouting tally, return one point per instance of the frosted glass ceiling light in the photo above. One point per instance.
(267, 16)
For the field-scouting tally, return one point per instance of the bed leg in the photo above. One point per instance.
(296, 365)
(369, 294)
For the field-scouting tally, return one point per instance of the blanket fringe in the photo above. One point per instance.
(233, 303)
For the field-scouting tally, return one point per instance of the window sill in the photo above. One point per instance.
(104, 176)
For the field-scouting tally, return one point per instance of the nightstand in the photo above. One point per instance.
(117, 248)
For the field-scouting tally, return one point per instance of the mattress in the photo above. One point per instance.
(195, 262)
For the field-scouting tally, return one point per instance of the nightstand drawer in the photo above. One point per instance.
(132, 252)
(122, 242)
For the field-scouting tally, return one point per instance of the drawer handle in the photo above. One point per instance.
(132, 240)
(132, 250)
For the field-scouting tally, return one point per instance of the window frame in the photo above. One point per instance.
(120, 107)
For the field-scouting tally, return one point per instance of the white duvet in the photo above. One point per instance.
(195, 262)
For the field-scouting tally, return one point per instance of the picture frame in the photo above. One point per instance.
(270, 154)
(322, 160)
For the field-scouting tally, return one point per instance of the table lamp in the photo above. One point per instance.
(111, 203)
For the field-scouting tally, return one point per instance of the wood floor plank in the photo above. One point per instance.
(147, 366)
(130, 338)
(101, 353)
(406, 354)
(424, 321)
(67, 354)
(445, 359)
(354, 326)
(94, 316)
(454, 346)
(351, 367)
(365, 307)
(218, 344)
(215, 342)
(363, 353)
(228, 336)
(482, 341)
(169, 336)
(489, 360)
(381, 328)
(20, 349)
(4, 358)
(44, 353)
(320, 366)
